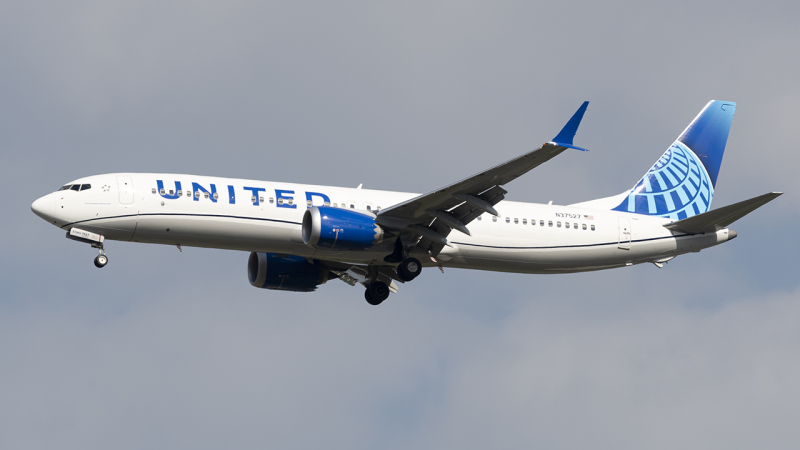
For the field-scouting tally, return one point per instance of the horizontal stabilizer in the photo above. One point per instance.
(720, 218)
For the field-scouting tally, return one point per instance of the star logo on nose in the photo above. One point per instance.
(106, 188)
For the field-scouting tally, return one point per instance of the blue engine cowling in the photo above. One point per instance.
(340, 229)
(284, 272)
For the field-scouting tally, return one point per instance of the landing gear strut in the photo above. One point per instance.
(409, 269)
(376, 293)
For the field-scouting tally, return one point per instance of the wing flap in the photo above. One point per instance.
(720, 218)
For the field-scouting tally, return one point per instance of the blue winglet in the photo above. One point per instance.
(567, 134)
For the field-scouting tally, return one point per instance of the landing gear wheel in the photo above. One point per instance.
(369, 298)
(100, 261)
(409, 269)
(376, 293)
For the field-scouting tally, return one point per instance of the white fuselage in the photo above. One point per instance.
(263, 216)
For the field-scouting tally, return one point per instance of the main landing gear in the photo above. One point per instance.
(409, 269)
(378, 291)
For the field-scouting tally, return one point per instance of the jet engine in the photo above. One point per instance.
(284, 272)
(340, 229)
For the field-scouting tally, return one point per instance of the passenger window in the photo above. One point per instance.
(196, 194)
(541, 223)
(308, 203)
(252, 199)
(369, 208)
(575, 225)
(479, 218)
(549, 223)
(592, 227)
(180, 193)
(516, 221)
(86, 186)
(494, 218)
(216, 195)
(261, 199)
(558, 224)
(171, 192)
(508, 220)
(584, 226)
(271, 200)
(66, 188)
(75, 187)
(280, 201)
(154, 190)
(566, 224)
(524, 221)
(326, 204)
(291, 201)
(352, 206)
(206, 194)
(335, 205)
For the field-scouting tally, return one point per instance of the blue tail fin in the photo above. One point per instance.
(681, 183)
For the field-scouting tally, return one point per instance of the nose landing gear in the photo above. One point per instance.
(100, 260)
(95, 240)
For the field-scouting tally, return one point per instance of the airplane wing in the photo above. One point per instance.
(711, 221)
(431, 216)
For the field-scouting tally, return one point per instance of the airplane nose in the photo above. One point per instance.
(44, 207)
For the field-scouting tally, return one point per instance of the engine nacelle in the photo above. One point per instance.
(284, 272)
(340, 229)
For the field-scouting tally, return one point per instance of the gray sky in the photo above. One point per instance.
(163, 349)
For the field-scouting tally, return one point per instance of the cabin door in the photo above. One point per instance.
(125, 185)
(625, 233)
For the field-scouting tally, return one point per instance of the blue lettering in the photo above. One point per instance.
(325, 198)
(282, 200)
(231, 195)
(255, 191)
(196, 188)
(164, 194)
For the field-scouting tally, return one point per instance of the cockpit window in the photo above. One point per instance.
(86, 186)
(65, 188)
(75, 187)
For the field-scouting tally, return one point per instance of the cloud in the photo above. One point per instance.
(199, 366)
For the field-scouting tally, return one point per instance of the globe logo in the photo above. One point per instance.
(676, 187)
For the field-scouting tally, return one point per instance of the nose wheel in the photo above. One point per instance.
(100, 260)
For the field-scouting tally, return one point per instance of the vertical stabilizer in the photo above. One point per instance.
(681, 183)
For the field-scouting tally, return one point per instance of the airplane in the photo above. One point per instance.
(300, 236)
